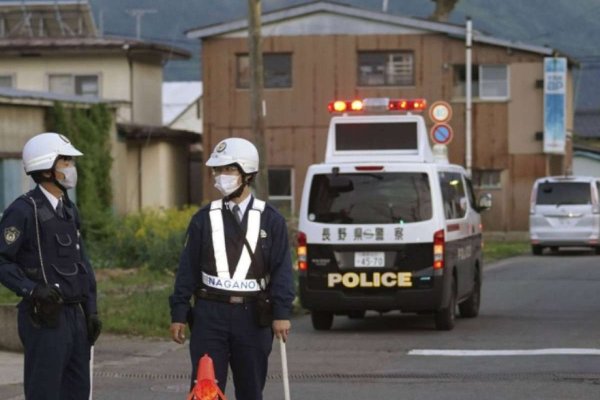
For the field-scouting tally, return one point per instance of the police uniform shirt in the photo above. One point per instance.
(51, 198)
(243, 205)
(198, 251)
(18, 245)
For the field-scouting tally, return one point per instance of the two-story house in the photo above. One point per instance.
(54, 46)
(317, 52)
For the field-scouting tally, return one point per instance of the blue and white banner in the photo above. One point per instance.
(555, 104)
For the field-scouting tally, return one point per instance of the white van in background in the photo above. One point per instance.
(565, 211)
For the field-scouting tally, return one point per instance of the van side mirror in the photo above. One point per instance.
(485, 202)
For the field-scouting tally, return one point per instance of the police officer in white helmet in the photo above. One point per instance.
(42, 261)
(236, 264)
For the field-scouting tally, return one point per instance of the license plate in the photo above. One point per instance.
(374, 259)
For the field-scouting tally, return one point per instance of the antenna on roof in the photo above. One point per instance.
(138, 14)
(384, 6)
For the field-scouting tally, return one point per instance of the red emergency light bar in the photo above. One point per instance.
(342, 106)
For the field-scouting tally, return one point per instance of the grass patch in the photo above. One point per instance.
(498, 250)
(7, 296)
(135, 302)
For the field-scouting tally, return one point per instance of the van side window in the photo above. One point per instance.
(453, 194)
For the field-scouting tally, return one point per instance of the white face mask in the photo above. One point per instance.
(227, 184)
(70, 179)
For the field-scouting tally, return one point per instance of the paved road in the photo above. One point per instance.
(549, 304)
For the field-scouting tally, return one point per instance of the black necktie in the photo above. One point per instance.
(60, 209)
(236, 213)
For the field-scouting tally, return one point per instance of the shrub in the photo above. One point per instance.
(152, 238)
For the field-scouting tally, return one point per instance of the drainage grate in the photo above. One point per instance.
(471, 377)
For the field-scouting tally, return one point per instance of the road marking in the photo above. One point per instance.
(483, 353)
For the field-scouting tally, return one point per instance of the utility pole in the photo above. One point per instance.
(257, 105)
(138, 14)
(469, 102)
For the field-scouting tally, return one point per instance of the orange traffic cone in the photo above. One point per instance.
(206, 387)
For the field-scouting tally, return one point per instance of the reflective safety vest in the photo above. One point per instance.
(224, 280)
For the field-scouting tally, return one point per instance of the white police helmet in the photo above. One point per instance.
(41, 151)
(235, 151)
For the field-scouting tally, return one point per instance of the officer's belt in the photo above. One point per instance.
(223, 298)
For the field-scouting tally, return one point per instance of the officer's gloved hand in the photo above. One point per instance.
(94, 327)
(46, 294)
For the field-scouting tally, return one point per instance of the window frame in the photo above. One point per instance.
(459, 84)
(238, 78)
(386, 78)
(454, 204)
(73, 82)
(506, 81)
(477, 173)
(13, 79)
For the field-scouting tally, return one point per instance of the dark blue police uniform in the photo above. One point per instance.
(229, 332)
(56, 357)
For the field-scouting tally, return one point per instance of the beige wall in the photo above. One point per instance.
(18, 124)
(147, 93)
(163, 176)
(114, 72)
(32, 73)
(120, 182)
(526, 108)
(132, 183)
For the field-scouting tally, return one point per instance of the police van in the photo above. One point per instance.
(384, 225)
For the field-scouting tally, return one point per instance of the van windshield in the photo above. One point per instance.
(370, 198)
(558, 193)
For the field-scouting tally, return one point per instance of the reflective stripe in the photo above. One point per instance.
(243, 285)
(218, 238)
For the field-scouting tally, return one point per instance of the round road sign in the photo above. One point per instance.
(441, 133)
(440, 111)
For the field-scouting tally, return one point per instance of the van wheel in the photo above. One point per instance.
(470, 307)
(321, 320)
(536, 249)
(554, 249)
(444, 318)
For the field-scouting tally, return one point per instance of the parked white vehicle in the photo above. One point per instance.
(385, 226)
(565, 211)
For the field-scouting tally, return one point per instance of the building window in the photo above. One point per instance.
(486, 179)
(281, 194)
(6, 81)
(488, 82)
(277, 70)
(493, 82)
(454, 195)
(12, 181)
(82, 85)
(386, 68)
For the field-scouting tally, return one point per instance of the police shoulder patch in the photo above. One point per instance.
(11, 234)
